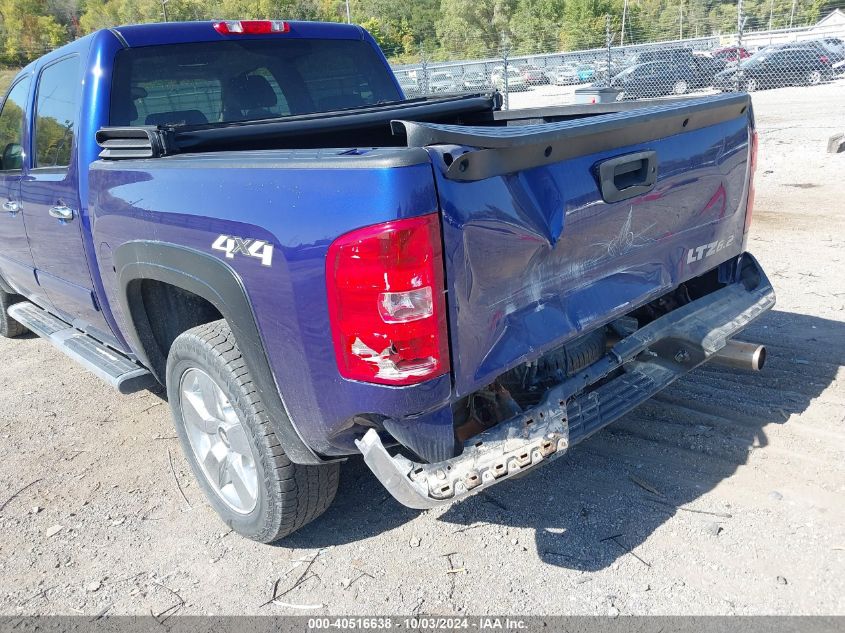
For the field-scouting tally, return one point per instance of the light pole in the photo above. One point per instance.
(348, 16)
(624, 15)
(792, 13)
(164, 8)
(681, 33)
(771, 14)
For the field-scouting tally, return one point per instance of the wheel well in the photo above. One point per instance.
(161, 312)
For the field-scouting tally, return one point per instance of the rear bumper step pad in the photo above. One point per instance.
(120, 372)
(652, 358)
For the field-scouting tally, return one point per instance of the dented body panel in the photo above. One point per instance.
(537, 257)
(638, 367)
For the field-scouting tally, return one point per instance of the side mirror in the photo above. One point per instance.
(12, 157)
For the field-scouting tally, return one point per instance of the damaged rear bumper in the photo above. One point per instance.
(651, 358)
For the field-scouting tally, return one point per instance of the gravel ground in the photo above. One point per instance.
(724, 494)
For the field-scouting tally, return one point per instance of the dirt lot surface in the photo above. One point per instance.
(724, 495)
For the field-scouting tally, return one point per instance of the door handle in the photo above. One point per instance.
(61, 212)
(12, 206)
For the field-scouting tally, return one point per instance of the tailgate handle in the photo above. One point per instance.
(627, 176)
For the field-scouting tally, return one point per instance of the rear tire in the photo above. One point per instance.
(680, 88)
(9, 328)
(229, 442)
(752, 85)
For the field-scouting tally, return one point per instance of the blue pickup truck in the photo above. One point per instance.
(251, 215)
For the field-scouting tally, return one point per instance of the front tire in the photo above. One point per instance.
(814, 78)
(752, 85)
(229, 442)
(9, 328)
(680, 88)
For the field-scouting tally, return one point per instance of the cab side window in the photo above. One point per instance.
(55, 113)
(11, 127)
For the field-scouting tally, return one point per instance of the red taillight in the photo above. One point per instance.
(386, 302)
(824, 59)
(752, 167)
(251, 27)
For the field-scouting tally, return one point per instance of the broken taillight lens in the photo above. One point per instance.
(386, 302)
(752, 168)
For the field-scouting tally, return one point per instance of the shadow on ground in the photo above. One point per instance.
(591, 507)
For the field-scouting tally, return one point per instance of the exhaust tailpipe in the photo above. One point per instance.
(741, 355)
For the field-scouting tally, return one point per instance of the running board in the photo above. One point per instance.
(120, 372)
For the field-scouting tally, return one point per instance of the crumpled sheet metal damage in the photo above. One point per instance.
(567, 414)
(494, 455)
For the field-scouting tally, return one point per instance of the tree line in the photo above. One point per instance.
(410, 29)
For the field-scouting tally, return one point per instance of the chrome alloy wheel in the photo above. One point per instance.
(218, 440)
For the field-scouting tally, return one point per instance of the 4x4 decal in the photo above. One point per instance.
(232, 246)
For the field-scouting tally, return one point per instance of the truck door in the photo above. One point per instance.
(50, 196)
(15, 259)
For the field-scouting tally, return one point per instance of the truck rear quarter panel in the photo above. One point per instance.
(299, 202)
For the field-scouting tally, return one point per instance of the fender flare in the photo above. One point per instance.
(205, 276)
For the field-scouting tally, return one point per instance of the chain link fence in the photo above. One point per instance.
(633, 64)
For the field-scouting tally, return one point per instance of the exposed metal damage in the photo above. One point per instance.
(637, 365)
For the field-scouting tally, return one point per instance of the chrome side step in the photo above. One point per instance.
(120, 372)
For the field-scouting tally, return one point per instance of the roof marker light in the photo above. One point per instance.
(251, 27)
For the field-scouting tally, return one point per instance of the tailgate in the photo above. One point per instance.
(553, 229)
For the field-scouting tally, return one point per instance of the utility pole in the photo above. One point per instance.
(348, 15)
(164, 8)
(681, 35)
(624, 15)
(771, 13)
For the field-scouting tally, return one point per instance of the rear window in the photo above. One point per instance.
(229, 81)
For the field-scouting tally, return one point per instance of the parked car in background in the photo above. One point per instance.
(674, 55)
(824, 50)
(777, 67)
(586, 73)
(709, 66)
(515, 79)
(441, 81)
(835, 44)
(410, 85)
(659, 79)
(475, 80)
(564, 75)
(533, 75)
(730, 54)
